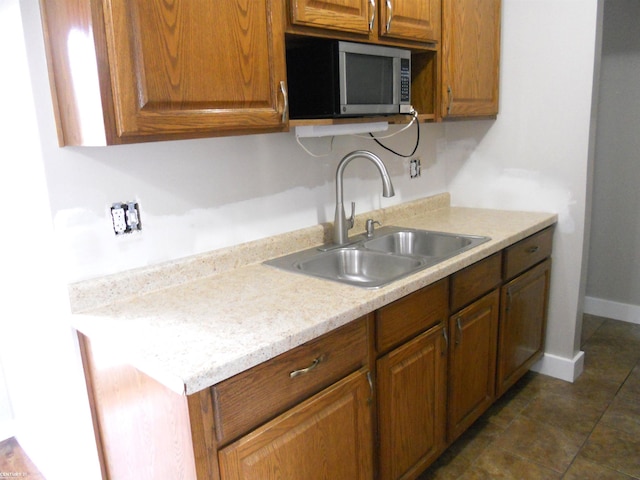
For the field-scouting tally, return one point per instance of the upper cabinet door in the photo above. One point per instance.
(356, 16)
(417, 20)
(165, 69)
(470, 58)
(195, 65)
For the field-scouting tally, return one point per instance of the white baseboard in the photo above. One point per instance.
(567, 369)
(609, 309)
(7, 429)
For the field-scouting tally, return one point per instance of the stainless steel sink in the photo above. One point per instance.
(359, 267)
(423, 243)
(390, 254)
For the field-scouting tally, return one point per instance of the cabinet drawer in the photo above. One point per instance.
(526, 253)
(475, 280)
(266, 390)
(405, 318)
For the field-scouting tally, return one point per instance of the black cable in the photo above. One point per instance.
(415, 116)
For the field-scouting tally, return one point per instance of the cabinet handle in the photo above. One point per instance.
(450, 93)
(446, 340)
(459, 327)
(302, 371)
(373, 14)
(390, 14)
(533, 249)
(285, 94)
(508, 307)
(370, 380)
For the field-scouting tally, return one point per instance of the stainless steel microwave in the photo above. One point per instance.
(331, 78)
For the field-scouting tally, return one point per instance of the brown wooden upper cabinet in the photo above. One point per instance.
(412, 20)
(125, 71)
(470, 58)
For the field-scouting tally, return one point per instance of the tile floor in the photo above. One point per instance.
(545, 428)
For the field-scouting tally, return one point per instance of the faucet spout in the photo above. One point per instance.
(341, 224)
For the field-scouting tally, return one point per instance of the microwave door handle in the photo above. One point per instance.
(373, 14)
(389, 14)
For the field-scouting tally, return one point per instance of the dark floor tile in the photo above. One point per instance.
(473, 442)
(541, 443)
(610, 362)
(496, 464)
(622, 339)
(624, 415)
(614, 449)
(577, 414)
(588, 385)
(532, 384)
(630, 390)
(582, 469)
(623, 331)
(459, 456)
(590, 323)
(448, 466)
(505, 410)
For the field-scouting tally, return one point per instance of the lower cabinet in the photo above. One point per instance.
(326, 436)
(522, 324)
(472, 363)
(523, 307)
(473, 329)
(412, 382)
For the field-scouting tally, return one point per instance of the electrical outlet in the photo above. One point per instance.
(118, 217)
(125, 217)
(414, 168)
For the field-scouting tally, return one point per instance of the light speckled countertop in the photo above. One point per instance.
(203, 319)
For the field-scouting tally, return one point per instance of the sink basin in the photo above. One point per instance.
(390, 254)
(423, 243)
(359, 267)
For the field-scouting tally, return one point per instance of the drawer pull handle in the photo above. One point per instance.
(533, 249)
(302, 371)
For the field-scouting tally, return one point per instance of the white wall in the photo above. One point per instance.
(613, 286)
(202, 194)
(199, 195)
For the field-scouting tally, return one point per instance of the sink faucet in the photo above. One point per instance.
(341, 224)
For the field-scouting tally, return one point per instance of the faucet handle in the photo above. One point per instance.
(352, 219)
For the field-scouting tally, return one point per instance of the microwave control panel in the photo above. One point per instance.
(405, 80)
